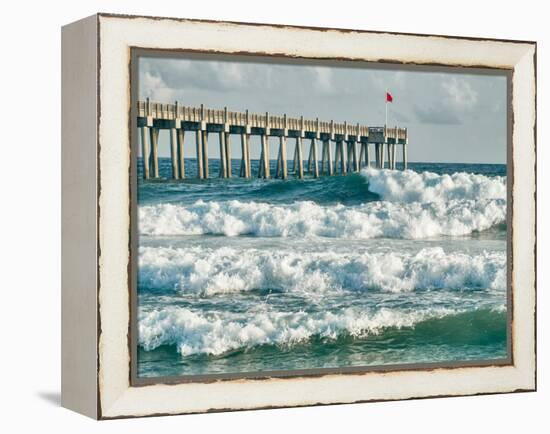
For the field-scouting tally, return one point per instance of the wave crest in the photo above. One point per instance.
(307, 219)
(409, 186)
(216, 333)
(207, 271)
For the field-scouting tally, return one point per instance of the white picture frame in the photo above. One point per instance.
(96, 213)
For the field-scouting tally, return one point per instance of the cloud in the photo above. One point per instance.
(323, 79)
(448, 99)
(400, 116)
(456, 103)
(460, 93)
(436, 114)
(180, 74)
(339, 91)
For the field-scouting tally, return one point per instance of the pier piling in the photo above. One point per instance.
(249, 165)
(223, 158)
(200, 171)
(329, 159)
(228, 153)
(227, 142)
(355, 160)
(309, 158)
(181, 159)
(145, 151)
(264, 158)
(345, 158)
(337, 154)
(300, 157)
(153, 155)
(323, 156)
(361, 155)
(314, 156)
(282, 171)
(205, 167)
(245, 159)
(295, 158)
(174, 153)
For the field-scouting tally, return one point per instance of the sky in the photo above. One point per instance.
(451, 117)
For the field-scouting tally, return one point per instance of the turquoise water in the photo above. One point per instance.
(375, 268)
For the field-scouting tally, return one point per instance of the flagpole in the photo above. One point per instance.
(386, 102)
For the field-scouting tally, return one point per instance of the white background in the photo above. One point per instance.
(30, 217)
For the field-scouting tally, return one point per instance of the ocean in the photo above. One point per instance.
(374, 268)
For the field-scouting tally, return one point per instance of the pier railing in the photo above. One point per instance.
(168, 112)
(154, 116)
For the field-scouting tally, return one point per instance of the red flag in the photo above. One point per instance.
(389, 98)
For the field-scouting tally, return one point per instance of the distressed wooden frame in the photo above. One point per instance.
(97, 209)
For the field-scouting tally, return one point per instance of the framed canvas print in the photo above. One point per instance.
(262, 216)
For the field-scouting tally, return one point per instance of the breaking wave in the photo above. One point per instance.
(427, 187)
(405, 204)
(302, 219)
(216, 333)
(208, 271)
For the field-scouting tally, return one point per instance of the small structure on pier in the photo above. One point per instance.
(178, 119)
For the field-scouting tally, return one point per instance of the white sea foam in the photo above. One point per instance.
(208, 271)
(413, 205)
(307, 219)
(409, 186)
(215, 333)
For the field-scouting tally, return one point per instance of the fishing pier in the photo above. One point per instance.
(352, 150)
